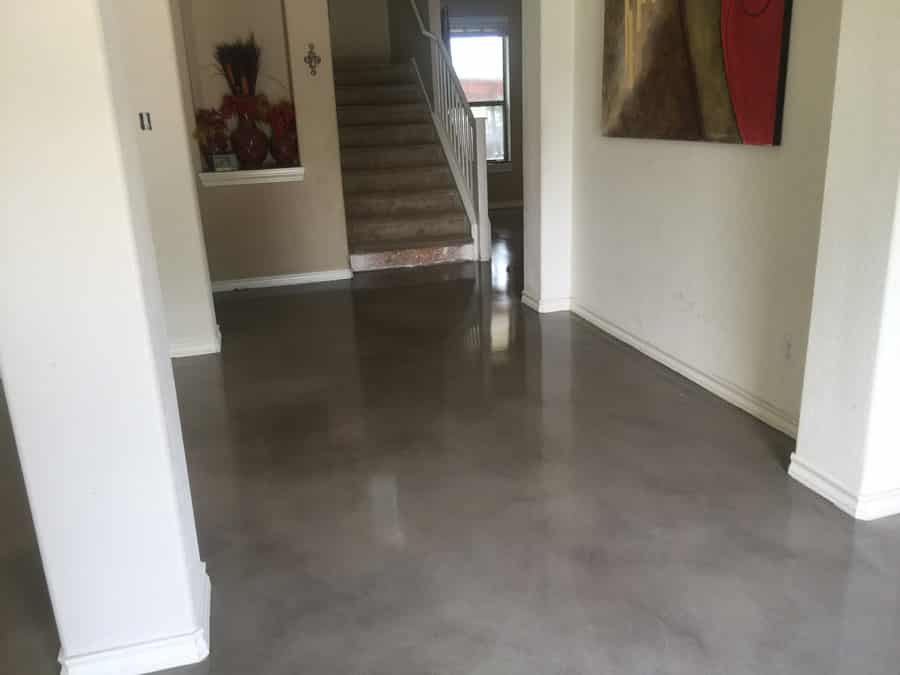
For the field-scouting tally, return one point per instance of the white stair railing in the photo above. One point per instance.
(462, 135)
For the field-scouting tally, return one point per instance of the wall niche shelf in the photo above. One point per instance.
(238, 72)
(293, 174)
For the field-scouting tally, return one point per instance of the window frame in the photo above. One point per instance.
(507, 137)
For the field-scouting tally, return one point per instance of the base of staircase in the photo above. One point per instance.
(403, 206)
(363, 260)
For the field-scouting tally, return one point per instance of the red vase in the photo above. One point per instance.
(212, 143)
(285, 150)
(218, 144)
(250, 144)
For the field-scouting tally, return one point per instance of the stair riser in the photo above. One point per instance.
(412, 179)
(388, 157)
(436, 255)
(367, 206)
(383, 114)
(368, 232)
(375, 76)
(398, 134)
(375, 95)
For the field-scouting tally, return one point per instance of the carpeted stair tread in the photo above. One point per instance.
(371, 135)
(402, 202)
(393, 113)
(378, 94)
(392, 156)
(395, 179)
(408, 226)
(376, 74)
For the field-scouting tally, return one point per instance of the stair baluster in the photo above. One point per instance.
(458, 131)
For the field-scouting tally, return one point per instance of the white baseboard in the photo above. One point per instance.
(149, 657)
(861, 507)
(180, 350)
(734, 394)
(282, 280)
(878, 506)
(547, 306)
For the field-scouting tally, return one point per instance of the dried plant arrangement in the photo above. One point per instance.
(239, 62)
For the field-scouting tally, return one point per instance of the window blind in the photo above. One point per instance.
(479, 25)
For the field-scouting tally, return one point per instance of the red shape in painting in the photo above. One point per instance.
(752, 37)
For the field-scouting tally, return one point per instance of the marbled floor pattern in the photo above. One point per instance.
(413, 475)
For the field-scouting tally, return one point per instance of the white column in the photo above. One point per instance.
(549, 99)
(849, 442)
(84, 355)
(484, 243)
(142, 37)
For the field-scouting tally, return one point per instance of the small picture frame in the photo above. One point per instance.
(229, 162)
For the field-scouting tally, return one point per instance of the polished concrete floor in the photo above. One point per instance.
(412, 475)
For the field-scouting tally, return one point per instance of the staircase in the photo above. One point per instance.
(403, 206)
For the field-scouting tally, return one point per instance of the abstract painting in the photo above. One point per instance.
(697, 70)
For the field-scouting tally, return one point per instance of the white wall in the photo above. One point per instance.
(881, 473)
(704, 255)
(146, 39)
(848, 446)
(549, 145)
(84, 355)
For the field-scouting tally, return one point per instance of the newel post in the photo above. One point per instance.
(484, 220)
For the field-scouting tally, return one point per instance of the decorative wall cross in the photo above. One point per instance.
(313, 60)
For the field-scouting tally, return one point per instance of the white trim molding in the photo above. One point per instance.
(763, 410)
(861, 507)
(282, 280)
(546, 306)
(148, 657)
(186, 348)
(294, 174)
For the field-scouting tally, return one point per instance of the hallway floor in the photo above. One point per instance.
(410, 474)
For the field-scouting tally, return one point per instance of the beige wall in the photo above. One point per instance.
(285, 228)
(210, 22)
(702, 254)
(359, 31)
(406, 37)
(505, 188)
(148, 58)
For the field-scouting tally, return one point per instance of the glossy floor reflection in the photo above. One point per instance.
(413, 475)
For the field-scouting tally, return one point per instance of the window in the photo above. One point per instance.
(481, 63)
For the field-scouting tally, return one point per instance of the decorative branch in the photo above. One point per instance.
(240, 63)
